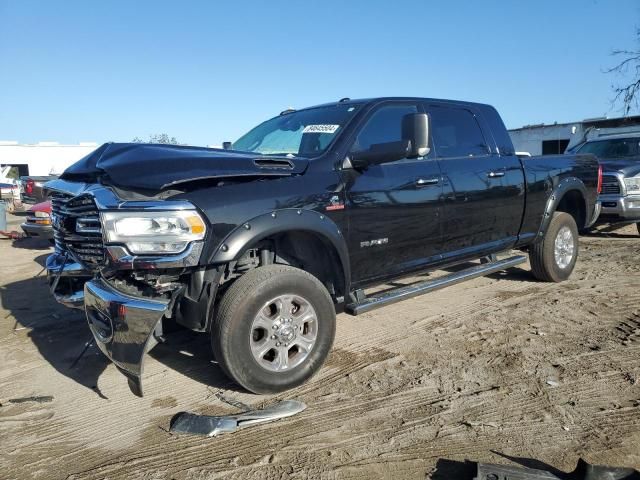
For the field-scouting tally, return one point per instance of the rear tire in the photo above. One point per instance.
(554, 257)
(274, 328)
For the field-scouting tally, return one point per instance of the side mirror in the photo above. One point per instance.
(226, 145)
(415, 129)
(380, 153)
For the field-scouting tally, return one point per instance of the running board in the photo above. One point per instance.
(410, 291)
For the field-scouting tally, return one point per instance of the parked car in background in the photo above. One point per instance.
(619, 156)
(38, 222)
(32, 191)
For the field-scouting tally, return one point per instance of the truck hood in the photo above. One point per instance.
(629, 166)
(157, 167)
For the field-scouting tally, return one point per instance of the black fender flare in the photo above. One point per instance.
(281, 221)
(566, 185)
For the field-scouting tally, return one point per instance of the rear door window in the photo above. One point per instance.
(456, 133)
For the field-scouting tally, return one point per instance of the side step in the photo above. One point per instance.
(410, 291)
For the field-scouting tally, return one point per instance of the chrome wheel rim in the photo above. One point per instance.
(283, 333)
(564, 247)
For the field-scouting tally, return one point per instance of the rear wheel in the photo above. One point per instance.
(554, 257)
(274, 328)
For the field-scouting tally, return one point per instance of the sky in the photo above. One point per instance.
(208, 71)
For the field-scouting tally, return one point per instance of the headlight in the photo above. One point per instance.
(153, 232)
(41, 214)
(632, 184)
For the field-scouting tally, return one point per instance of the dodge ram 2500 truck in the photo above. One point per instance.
(619, 156)
(262, 243)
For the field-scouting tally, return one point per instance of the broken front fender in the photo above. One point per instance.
(123, 327)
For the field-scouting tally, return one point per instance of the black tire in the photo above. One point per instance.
(638, 227)
(544, 265)
(231, 333)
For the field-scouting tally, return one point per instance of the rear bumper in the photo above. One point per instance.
(124, 327)
(35, 230)
(624, 207)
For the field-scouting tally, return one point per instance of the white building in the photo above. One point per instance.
(552, 139)
(43, 158)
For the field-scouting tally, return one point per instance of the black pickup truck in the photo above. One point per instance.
(262, 243)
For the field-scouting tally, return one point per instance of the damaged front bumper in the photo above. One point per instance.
(66, 279)
(124, 327)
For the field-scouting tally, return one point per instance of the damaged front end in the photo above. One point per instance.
(126, 296)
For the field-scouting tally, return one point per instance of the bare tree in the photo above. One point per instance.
(158, 138)
(628, 91)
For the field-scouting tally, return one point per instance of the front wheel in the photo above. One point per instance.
(274, 328)
(554, 257)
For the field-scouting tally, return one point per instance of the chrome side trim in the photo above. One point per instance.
(122, 259)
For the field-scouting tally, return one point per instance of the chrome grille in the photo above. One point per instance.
(610, 185)
(77, 229)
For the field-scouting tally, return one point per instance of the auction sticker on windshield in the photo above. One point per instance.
(320, 129)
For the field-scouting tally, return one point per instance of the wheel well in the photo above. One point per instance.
(573, 203)
(305, 250)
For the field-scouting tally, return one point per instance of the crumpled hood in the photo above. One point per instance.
(155, 167)
(630, 167)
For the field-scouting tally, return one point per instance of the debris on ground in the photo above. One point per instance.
(194, 424)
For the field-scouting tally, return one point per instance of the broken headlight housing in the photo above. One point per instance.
(153, 232)
(632, 184)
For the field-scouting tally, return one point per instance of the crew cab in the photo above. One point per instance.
(619, 156)
(260, 245)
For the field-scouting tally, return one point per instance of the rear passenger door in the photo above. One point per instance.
(483, 192)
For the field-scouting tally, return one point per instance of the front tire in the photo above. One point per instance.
(274, 328)
(554, 257)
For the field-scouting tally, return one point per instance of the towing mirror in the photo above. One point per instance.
(379, 153)
(415, 129)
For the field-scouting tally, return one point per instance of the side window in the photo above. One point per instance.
(385, 125)
(456, 133)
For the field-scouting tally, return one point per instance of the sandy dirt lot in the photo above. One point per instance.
(501, 369)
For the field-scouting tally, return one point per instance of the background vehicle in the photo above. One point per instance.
(261, 245)
(32, 188)
(619, 156)
(38, 222)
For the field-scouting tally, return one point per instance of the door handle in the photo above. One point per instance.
(495, 174)
(423, 182)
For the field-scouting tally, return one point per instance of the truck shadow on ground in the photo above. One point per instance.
(61, 334)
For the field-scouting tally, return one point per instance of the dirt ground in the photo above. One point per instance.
(501, 369)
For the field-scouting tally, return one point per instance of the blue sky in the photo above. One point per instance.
(206, 71)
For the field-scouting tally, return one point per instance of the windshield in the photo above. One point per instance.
(306, 133)
(612, 148)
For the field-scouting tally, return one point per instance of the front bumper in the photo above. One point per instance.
(66, 279)
(124, 327)
(623, 207)
(37, 230)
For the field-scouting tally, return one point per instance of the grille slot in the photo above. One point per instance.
(77, 228)
(610, 185)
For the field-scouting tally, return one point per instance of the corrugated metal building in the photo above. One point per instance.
(551, 139)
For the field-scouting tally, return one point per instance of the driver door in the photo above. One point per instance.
(393, 208)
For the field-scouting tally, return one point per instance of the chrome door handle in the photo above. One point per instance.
(423, 182)
(495, 174)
